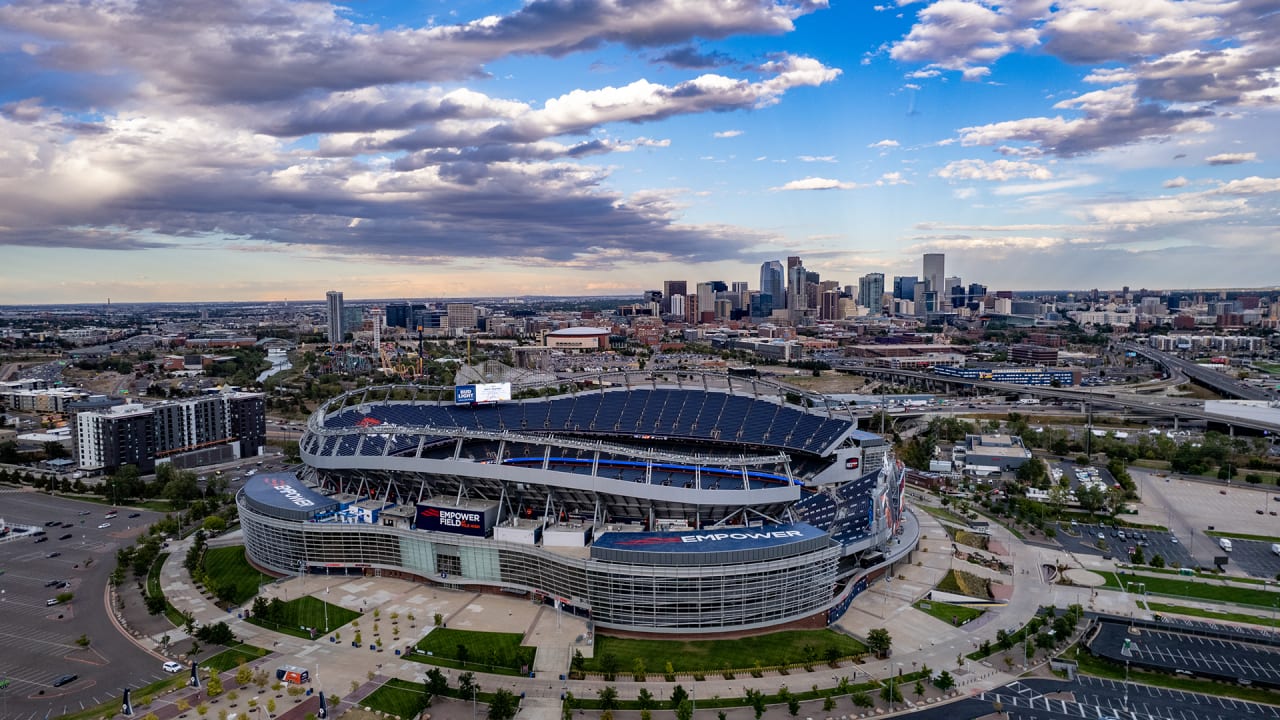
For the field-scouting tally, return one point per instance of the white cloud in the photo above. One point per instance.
(727, 134)
(1176, 182)
(884, 144)
(996, 171)
(816, 158)
(1047, 187)
(1231, 158)
(892, 178)
(816, 183)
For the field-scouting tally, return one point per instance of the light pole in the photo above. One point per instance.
(473, 701)
(326, 610)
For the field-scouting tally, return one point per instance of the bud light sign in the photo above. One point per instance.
(452, 520)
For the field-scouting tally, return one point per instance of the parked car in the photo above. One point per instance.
(135, 514)
(64, 679)
(172, 667)
(104, 525)
(65, 536)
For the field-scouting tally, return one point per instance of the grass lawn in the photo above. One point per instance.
(967, 584)
(309, 612)
(944, 514)
(1243, 536)
(398, 697)
(228, 566)
(782, 648)
(486, 651)
(1211, 614)
(1212, 591)
(230, 658)
(948, 613)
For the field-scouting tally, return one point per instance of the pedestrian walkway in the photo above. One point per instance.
(919, 639)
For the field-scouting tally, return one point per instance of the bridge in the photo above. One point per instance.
(1101, 397)
(1214, 380)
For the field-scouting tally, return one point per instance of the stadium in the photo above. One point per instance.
(676, 503)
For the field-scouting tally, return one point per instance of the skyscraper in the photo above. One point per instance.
(871, 292)
(773, 282)
(333, 300)
(904, 288)
(671, 288)
(797, 290)
(934, 271)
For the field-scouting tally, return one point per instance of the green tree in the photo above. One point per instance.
(645, 699)
(437, 683)
(678, 695)
(879, 642)
(467, 684)
(944, 681)
(503, 705)
(685, 710)
(755, 699)
(608, 697)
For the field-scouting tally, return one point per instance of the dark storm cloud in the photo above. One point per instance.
(689, 57)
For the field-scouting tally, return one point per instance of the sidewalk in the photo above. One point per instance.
(919, 639)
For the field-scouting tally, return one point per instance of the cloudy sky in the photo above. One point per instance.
(272, 149)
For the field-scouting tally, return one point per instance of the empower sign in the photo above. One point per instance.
(709, 540)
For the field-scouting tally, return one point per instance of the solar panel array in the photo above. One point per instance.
(659, 412)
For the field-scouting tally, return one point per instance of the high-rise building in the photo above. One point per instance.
(333, 306)
(829, 305)
(773, 281)
(871, 292)
(462, 316)
(977, 292)
(761, 305)
(212, 428)
(797, 290)
(676, 305)
(706, 297)
(399, 315)
(652, 296)
(671, 288)
(934, 271)
(904, 288)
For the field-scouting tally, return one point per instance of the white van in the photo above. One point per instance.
(1275, 548)
(1225, 544)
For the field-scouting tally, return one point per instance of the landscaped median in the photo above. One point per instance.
(780, 651)
(1221, 590)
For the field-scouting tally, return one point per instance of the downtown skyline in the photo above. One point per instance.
(266, 149)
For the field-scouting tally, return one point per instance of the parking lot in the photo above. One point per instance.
(1157, 543)
(40, 633)
(1189, 653)
(1253, 557)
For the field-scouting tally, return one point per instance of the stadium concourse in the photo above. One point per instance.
(667, 504)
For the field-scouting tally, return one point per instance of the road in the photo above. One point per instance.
(1214, 379)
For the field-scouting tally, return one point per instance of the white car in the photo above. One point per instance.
(172, 667)
(104, 525)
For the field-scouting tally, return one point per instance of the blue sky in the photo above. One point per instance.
(267, 149)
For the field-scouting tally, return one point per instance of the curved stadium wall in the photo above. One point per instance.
(707, 578)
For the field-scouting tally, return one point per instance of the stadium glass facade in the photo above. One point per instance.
(697, 510)
(742, 595)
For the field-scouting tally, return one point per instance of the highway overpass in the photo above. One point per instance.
(1104, 397)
